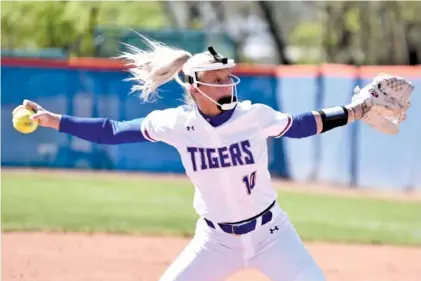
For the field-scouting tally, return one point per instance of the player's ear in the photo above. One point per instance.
(193, 90)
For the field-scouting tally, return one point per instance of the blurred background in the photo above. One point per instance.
(264, 32)
(305, 55)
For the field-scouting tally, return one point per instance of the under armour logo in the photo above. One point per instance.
(274, 229)
(190, 128)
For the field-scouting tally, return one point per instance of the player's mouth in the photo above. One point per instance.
(227, 99)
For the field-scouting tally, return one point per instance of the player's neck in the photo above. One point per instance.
(218, 119)
(210, 112)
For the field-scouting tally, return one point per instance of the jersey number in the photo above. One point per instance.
(250, 181)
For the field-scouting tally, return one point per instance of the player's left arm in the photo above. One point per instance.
(307, 124)
(382, 104)
(320, 121)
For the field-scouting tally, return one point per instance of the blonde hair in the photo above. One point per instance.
(158, 66)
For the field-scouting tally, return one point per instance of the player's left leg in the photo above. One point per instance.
(281, 255)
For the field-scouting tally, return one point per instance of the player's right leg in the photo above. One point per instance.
(210, 256)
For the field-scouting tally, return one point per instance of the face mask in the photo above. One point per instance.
(224, 103)
(227, 102)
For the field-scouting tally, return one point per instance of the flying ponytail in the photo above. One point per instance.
(153, 68)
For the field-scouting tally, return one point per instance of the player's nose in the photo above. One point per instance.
(226, 90)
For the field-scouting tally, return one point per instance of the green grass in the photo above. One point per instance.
(118, 203)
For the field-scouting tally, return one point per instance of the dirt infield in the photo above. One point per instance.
(100, 257)
(77, 257)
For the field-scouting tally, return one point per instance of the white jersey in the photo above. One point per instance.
(227, 164)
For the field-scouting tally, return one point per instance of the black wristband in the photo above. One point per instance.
(333, 117)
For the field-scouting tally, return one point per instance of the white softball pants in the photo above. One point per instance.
(275, 249)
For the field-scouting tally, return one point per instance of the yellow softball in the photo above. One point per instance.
(22, 123)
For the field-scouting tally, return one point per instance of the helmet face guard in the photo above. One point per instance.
(220, 63)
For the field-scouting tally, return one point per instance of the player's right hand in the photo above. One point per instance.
(44, 117)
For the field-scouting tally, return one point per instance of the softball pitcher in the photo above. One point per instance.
(223, 146)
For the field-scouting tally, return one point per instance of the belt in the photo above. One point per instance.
(245, 226)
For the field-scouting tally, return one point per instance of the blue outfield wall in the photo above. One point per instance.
(392, 161)
(100, 94)
(351, 154)
(324, 157)
(336, 151)
(356, 153)
(296, 95)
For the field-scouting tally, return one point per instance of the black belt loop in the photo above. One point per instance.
(209, 223)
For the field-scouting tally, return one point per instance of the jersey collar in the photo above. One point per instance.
(220, 119)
